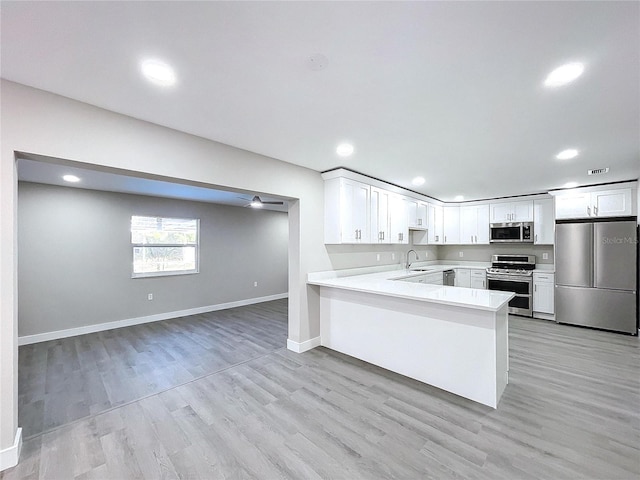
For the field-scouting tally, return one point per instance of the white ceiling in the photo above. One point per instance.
(451, 91)
(34, 169)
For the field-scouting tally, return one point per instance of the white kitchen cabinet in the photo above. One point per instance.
(463, 277)
(416, 214)
(434, 278)
(479, 279)
(380, 225)
(398, 225)
(346, 211)
(543, 221)
(582, 203)
(435, 224)
(543, 295)
(512, 212)
(451, 225)
(474, 224)
(612, 203)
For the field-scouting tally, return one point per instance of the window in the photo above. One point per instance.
(164, 246)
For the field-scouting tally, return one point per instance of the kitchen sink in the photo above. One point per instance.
(423, 269)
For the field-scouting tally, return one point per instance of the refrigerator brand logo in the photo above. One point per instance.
(618, 240)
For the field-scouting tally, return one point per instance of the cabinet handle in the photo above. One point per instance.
(445, 239)
(437, 238)
(535, 288)
(536, 238)
(589, 211)
(595, 211)
(476, 240)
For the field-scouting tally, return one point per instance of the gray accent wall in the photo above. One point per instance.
(75, 257)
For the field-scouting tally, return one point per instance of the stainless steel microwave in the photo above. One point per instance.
(514, 232)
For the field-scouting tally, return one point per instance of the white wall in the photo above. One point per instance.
(38, 122)
(74, 268)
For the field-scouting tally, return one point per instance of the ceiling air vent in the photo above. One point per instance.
(598, 171)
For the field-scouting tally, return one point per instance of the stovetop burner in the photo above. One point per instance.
(513, 264)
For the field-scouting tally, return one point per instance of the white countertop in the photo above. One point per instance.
(386, 283)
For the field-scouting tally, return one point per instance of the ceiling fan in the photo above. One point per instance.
(257, 202)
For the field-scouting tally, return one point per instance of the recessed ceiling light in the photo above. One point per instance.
(567, 154)
(570, 185)
(70, 178)
(458, 198)
(158, 72)
(565, 74)
(418, 181)
(344, 149)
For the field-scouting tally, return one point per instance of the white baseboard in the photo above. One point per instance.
(300, 347)
(100, 327)
(9, 456)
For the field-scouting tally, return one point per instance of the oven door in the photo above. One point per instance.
(522, 303)
(506, 232)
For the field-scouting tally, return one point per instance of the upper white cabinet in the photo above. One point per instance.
(474, 224)
(416, 214)
(435, 224)
(451, 224)
(512, 212)
(346, 211)
(380, 203)
(586, 203)
(398, 225)
(543, 221)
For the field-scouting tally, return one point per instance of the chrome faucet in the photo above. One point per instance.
(408, 262)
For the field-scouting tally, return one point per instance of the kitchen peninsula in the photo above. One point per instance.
(452, 338)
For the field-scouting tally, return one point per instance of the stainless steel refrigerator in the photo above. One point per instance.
(596, 275)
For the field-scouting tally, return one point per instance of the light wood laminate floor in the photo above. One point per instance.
(571, 410)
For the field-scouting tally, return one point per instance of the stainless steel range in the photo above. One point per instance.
(514, 273)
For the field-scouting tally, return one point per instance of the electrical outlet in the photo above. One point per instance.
(255, 284)
(461, 254)
(150, 296)
(426, 254)
(378, 257)
(393, 256)
(545, 256)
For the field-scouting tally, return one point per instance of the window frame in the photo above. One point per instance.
(164, 273)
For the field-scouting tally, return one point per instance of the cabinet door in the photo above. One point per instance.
(482, 236)
(412, 212)
(522, 211)
(451, 219)
(354, 212)
(479, 282)
(573, 205)
(543, 300)
(468, 225)
(543, 221)
(398, 228)
(611, 203)
(422, 215)
(435, 225)
(380, 216)
(463, 277)
(501, 212)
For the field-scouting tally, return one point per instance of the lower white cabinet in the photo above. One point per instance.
(463, 277)
(543, 295)
(428, 278)
(479, 279)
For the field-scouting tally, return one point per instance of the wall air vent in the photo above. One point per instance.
(598, 171)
